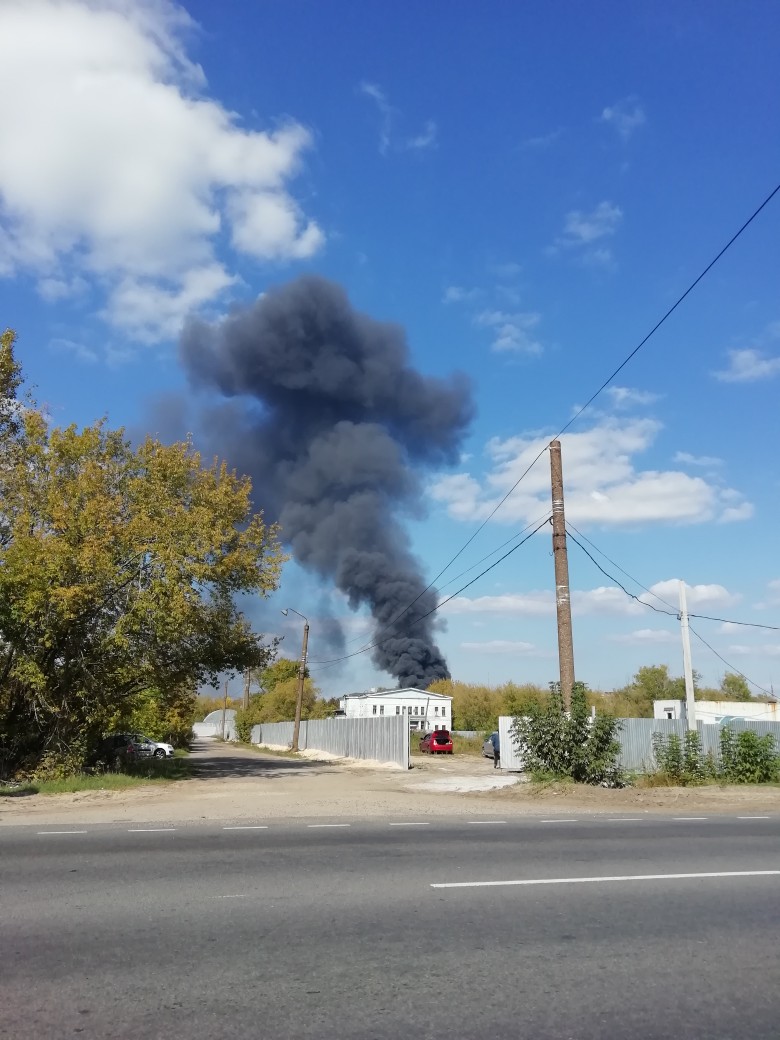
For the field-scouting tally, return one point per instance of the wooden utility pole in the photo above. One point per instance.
(301, 681)
(561, 560)
(247, 683)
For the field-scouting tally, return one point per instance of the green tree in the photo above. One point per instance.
(734, 687)
(279, 671)
(118, 571)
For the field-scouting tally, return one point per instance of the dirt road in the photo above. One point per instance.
(235, 784)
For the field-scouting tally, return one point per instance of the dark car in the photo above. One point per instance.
(437, 743)
(118, 750)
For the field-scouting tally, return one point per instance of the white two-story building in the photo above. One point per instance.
(425, 711)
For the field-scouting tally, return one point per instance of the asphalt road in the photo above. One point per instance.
(336, 931)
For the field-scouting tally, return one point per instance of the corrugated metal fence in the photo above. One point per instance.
(377, 740)
(636, 739)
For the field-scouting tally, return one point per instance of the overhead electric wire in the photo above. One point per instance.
(443, 603)
(593, 397)
(729, 666)
(631, 595)
(701, 617)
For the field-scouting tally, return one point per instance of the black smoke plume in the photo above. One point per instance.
(336, 430)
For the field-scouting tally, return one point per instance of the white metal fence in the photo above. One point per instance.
(636, 739)
(377, 740)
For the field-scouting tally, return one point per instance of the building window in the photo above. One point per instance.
(398, 709)
(410, 709)
(381, 709)
(403, 710)
(374, 709)
(443, 711)
(435, 711)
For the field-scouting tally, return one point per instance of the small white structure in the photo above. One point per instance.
(425, 711)
(719, 713)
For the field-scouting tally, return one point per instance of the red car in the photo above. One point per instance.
(437, 743)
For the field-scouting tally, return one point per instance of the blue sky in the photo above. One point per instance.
(525, 190)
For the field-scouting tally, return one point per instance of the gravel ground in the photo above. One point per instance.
(235, 784)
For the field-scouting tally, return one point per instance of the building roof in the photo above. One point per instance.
(406, 692)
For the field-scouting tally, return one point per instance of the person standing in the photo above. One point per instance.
(496, 750)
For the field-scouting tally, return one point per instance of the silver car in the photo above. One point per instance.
(487, 747)
(153, 748)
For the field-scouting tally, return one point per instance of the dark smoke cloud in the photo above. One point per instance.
(335, 428)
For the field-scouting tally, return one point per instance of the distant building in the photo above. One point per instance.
(425, 711)
(719, 713)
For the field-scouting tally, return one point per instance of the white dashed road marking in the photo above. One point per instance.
(483, 822)
(248, 827)
(557, 821)
(316, 826)
(412, 823)
(62, 832)
(150, 830)
(683, 819)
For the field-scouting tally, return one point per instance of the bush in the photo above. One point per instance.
(682, 761)
(558, 744)
(747, 758)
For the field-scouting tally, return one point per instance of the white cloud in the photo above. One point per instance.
(505, 646)
(117, 168)
(748, 366)
(646, 637)
(627, 397)
(603, 483)
(581, 232)
(79, 350)
(605, 600)
(427, 138)
(386, 111)
(581, 229)
(457, 294)
(706, 461)
(512, 331)
(543, 140)
(772, 597)
(625, 116)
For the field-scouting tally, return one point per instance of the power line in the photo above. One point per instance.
(622, 587)
(443, 603)
(544, 517)
(622, 571)
(700, 617)
(593, 397)
(729, 666)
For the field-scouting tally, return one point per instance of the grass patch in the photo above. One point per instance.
(460, 745)
(154, 771)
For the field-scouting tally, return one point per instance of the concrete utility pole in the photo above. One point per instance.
(224, 708)
(247, 682)
(301, 676)
(690, 693)
(561, 560)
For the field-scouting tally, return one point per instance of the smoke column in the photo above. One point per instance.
(336, 429)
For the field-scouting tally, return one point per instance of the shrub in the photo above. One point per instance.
(682, 761)
(747, 758)
(560, 744)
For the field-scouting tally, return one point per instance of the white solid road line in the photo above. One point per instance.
(62, 832)
(150, 830)
(247, 827)
(315, 826)
(616, 877)
(412, 823)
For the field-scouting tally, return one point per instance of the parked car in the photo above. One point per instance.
(118, 750)
(156, 748)
(487, 747)
(437, 743)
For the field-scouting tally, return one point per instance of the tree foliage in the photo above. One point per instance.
(118, 571)
(734, 687)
